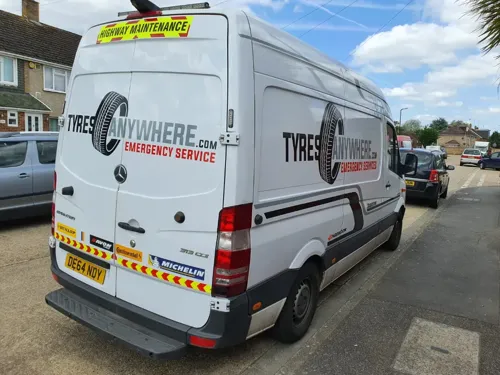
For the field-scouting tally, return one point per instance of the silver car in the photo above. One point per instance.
(27, 163)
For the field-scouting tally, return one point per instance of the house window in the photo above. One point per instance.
(8, 71)
(12, 119)
(55, 79)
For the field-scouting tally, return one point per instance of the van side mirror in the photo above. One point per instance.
(409, 168)
(450, 167)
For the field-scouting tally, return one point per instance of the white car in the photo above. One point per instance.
(213, 174)
(470, 156)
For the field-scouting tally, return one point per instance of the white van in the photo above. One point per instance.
(213, 175)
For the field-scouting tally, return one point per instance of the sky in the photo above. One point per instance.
(423, 54)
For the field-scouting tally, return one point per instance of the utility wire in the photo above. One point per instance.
(329, 18)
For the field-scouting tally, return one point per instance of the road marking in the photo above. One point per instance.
(481, 181)
(469, 180)
(432, 348)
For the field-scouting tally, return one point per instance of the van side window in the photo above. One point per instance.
(392, 149)
(12, 154)
(439, 162)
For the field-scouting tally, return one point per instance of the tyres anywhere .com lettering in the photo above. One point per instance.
(110, 126)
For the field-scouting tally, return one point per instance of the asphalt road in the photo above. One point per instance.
(35, 339)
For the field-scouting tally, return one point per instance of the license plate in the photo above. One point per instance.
(410, 183)
(85, 268)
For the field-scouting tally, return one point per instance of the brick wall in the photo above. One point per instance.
(20, 122)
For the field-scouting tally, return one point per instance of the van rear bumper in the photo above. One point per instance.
(146, 332)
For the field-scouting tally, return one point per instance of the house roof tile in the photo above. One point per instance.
(25, 37)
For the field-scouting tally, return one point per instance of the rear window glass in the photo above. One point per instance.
(471, 152)
(424, 159)
(12, 154)
(46, 151)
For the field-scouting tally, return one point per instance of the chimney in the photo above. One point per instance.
(30, 10)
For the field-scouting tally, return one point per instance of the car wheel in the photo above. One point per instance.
(300, 306)
(481, 165)
(445, 193)
(461, 164)
(434, 203)
(395, 238)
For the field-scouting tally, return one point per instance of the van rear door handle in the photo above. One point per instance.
(388, 185)
(23, 175)
(129, 227)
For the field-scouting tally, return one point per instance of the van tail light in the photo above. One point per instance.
(152, 13)
(54, 205)
(232, 256)
(434, 176)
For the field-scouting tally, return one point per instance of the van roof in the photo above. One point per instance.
(29, 136)
(286, 42)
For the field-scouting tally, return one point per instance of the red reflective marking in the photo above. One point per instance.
(116, 39)
(130, 22)
(144, 269)
(201, 287)
(124, 262)
(178, 17)
(113, 256)
(98, 42)
(150, 19)
(135, 37)
(154, 273)
(164, 276)
(159, 35)
(183, 35)
(103, 255)
(134, 266)
(176, 279)
(188, 283)
(111, 25)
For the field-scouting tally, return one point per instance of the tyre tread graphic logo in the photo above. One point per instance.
(107, 109)
(332, 120)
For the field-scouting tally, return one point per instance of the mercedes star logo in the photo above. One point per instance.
(120, 173)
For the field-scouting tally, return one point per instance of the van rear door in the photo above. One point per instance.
(173, 169)
(86, 185)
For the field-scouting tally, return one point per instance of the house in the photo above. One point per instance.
(35, 66)
(484, 134)
(458, 136)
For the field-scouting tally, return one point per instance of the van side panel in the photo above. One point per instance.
(291, 99)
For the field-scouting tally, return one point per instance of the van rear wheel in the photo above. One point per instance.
(300, 306)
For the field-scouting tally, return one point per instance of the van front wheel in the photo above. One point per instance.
(300, 306)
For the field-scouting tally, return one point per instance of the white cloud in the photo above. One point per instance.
(297, 9)
(489, 98)
(494, 109)
(411, 46)
(445, 82)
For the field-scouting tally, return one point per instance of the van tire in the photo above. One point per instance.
(109, 105)
(395, 238)
(292, 325)
(332, 118)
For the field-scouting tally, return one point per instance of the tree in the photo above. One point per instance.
(439, 124)
(427, 136)
(487, 13)
(495, 139)
(412, 126)
(459, 123)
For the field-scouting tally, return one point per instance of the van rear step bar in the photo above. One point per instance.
(139, 338)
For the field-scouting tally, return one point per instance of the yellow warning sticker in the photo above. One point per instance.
(68, 231)
(146, 28)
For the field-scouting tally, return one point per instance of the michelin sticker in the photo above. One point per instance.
(179, 268)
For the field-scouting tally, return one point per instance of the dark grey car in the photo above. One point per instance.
(27, 163)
